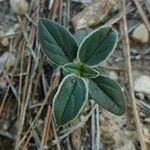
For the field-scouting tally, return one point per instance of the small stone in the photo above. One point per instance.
(5, 126)
(141, 34)
(142, 84)
(147, 120)
(95, 13)
(20, 7)
(113, 75)
(142, 115)
(139, 95)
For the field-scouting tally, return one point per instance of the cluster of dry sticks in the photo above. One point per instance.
(29, 73)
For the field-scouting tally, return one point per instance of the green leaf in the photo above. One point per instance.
(107, 93)
(81, 34)
(70, 99)
(98, 46)
(80, 70)
(56, 42)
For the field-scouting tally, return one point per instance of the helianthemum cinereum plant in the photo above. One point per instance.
(78, 58)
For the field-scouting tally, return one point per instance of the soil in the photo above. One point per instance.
(24, 82)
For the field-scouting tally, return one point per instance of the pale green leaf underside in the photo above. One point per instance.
(81, 70)
(107, 93)
(81, 34)
(98, 46)
(69, 99)
(56, 42)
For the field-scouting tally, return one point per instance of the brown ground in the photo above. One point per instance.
(25, 80)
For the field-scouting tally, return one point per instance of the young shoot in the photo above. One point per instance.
(79, 57)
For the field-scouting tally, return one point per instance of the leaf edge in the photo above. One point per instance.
(83, 104)
(114, 47)
(64, 29)
(124, 110)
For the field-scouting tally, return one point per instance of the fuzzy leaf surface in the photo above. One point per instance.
(98, 46)
(107, 93)
(56, 42)
(69, 99)
(81, 70)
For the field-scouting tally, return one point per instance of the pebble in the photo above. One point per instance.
(93, 14)
(142, 115)
(113, 75)
(147, 120)
(142, 84)
(5, 126)
(139, 95)
(140, 34)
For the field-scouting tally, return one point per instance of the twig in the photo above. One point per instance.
(10, 85)
(142, 14)
(60, 11)
(56, 76)
(26, 39)
(21, 77)
(13, 34)
(126, 48)
(7, 135)
(46, 126)
(114, 20)
(23, 105)
(143, 105)
(30, 19)
(147, 4)
(93, 128)
(68, 144)
(56, 138)
(68, 130)
(48, 117)
(36, 136)
(50, 4)
(36, 83)
(55, 9)
(26, 101)
(13, 88)
(68, 13)
(35, 105)
(4, 100)
(97, 128)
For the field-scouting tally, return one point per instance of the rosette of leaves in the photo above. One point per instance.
(79, 56)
